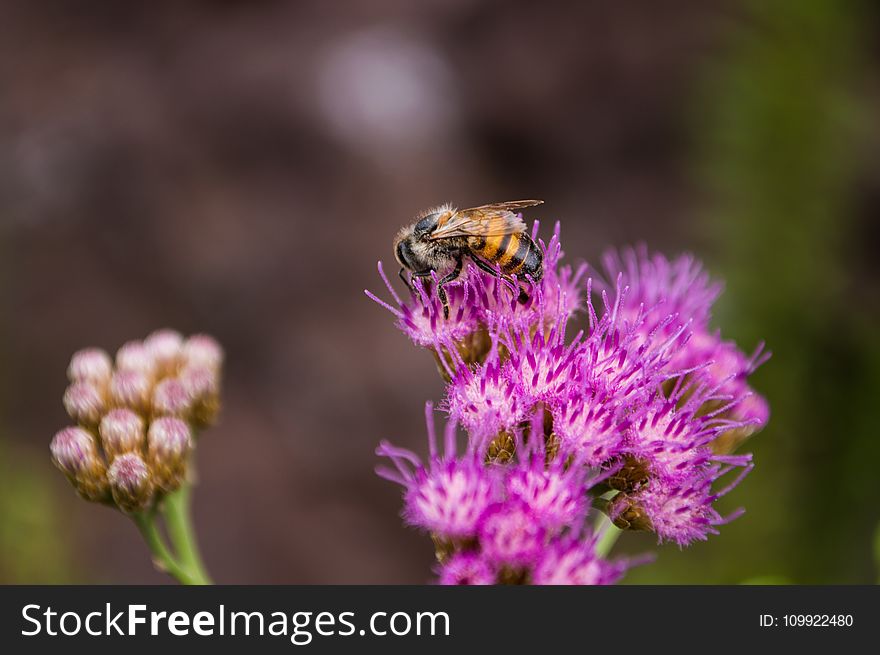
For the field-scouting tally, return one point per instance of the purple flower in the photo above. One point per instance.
(563, 288)
(681, 511)
(421, 318)
(589, 427)
(570, 561)
(637, 417)
(673, 441)
(484, 400)
(752, 409)
(466, 568)
(542, 368)
(449, 498)
(716, 362)
(662, 287)
(500, 522)
(553, 494)
(621, 359)
(448, 495)
(510, 534)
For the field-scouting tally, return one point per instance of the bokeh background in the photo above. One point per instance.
(239, 167)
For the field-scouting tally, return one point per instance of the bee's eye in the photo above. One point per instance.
(427, 224)
(404, 254)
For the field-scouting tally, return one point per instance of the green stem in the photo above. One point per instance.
(180, 530)
(609, 535)
(163, 559)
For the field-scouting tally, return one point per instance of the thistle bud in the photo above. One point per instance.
(90, 365)
(203, 387)
(130, 482)
(169, 442)
(626, 514)
(202, 351)
(74, 452)
(166, 347)
(131, 389)
(171, 397)
(632, 474)
(501, 449)
(122, 431)
(85, 403)
(135, 356)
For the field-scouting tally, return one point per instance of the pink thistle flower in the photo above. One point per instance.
(421, 318)
(662, 287)
(447, 496)
(450, 497)
(543, 368)
(570, 561)
(672, 435)
(511, 535)
(621, 360)
(466, 568)
(589, 427)
(563, 288)
(716, 362)
(483, 400)
(672, 441)
(553, 494)
(682, 511)
(753, 410)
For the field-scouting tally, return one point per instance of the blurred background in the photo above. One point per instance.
(239, 167)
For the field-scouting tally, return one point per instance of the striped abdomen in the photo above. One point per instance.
(516, 254)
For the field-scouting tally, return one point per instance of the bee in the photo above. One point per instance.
(491, 236)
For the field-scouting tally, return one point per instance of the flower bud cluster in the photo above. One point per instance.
(137, 417)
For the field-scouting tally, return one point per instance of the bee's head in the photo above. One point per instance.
(409, 247)
(427, 221)
(412, 244)
(403, 248)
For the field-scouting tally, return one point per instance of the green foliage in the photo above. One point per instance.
(31, 550)
(780, 123)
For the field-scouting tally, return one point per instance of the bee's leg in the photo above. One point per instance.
(441, 292)
(406, 278)
(523, 297)
(412, 276)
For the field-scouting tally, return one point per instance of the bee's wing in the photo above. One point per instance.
(496, 219)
